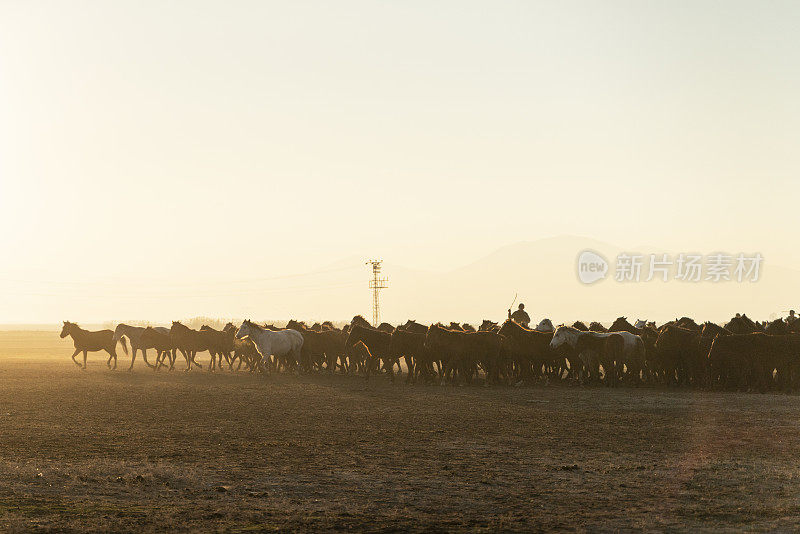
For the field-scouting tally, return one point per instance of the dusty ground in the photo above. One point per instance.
(101, 450)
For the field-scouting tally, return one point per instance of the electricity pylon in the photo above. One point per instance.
(376, 284)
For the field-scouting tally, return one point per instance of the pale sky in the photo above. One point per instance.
(154, 146)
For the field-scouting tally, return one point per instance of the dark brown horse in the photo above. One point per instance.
(462, 352)
(325, 346)
(413, 326)
(621, 324)
(411, 345)
(580, 325)
(160, 340)
(379, 344)
(529, 351)
(86, 341)
(360, 321)
(489, 326)
(189, 342)
(219, 344)
(247, 352)
(742, 324)
(777, 328)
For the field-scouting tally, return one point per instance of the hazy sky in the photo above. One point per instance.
(180, 144)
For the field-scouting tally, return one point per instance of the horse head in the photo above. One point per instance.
(621, 324)
(66, 329)
(360, 321)
(248, 328)
(487, 325)
(563, 335)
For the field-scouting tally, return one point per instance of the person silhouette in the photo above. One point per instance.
(520, 316)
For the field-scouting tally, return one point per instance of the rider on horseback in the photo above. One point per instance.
(520, 316)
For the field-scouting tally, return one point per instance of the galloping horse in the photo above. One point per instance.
(86, 341)
(159, 339)
(219, 343)
(134, 334)
(188, 341)
(284, 345)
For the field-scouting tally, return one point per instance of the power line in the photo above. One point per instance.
(144, 295)
(174, 284)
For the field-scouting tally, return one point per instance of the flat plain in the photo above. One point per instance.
(140, 451)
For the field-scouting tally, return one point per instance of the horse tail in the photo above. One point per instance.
(124, 344)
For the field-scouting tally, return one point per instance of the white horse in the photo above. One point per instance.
(640, 323)
(633, 348)
(570, 335)
(545, 325)
(285, 345)
(134, 334)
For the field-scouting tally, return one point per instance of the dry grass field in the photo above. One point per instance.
(98, 450)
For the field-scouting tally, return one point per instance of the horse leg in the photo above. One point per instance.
(77, 351)
(112, 353)
(194, 354)
(432, 372)
(296, 356)
(389, 366)
(84, 360)
(133, 357)
(159, 358)
(144, 356)
(409, 369)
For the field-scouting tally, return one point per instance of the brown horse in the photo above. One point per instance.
(219, 344)
(247, 352)
(529, 351)
(489, 326)
(159, 339)
(188, 341)
(86, 341)
(741, 324)
(580, 325)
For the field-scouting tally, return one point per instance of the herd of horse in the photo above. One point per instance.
(741, 354)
